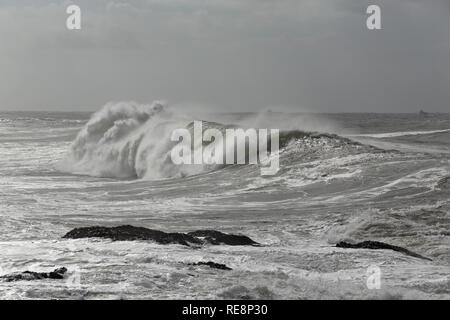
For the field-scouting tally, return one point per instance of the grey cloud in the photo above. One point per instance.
(229, 54)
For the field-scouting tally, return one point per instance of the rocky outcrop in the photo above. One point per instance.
(30, 275)
(212, 265)
(379, 245)
(129, 233)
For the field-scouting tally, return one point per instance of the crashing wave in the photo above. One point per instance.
(123, 140)
(128, 140)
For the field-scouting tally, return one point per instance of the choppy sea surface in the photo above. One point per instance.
(351, 177)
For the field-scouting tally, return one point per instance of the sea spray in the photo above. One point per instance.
(127, 140)
(119, 141)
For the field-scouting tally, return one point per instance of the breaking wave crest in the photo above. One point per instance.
(123, 140)
(128, 140)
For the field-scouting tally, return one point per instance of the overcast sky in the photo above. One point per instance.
(235, 55)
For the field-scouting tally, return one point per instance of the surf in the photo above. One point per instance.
(128, 140)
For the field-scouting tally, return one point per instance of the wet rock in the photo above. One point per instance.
(212, 265)
(128, 233)
(379, 245)
(217, 237)
(30, 275)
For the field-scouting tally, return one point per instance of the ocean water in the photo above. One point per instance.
(349, 177)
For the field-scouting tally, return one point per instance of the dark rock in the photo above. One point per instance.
(379, 245)
(217, 237)
(122, 233)
(128, 233)
(30, 275)
(212, 265)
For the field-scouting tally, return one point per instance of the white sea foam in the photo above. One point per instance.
(129, 140)
(126, 140)
(398, 134)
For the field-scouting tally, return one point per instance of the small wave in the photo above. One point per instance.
(287, 136)
(398, 134)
